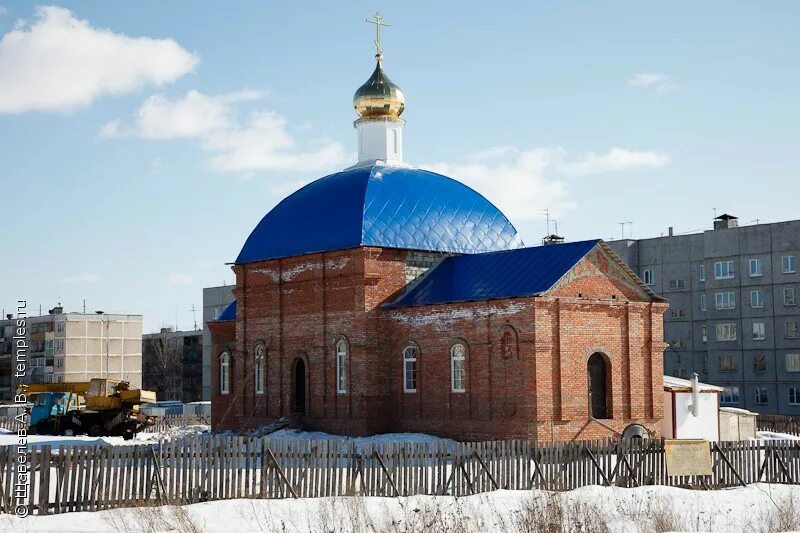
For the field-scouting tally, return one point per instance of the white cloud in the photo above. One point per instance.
(86, 277)
(518, 182)
(3, 10)
(111, 130)
(616, 159)
(59, 62)
(523, 182)
(261, 143)
(180, 278)
(658, 80)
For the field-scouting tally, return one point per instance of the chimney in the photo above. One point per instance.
(9, 316)
(725, 221)
(671, 232)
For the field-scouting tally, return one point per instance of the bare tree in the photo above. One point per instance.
(162, 362)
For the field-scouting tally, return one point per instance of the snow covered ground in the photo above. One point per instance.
(8, 438)
(755, 508)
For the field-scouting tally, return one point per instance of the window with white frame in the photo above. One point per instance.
(759, 331)
(341, 366)
(704, 333)
(703, 306)
(458, 355)
(760, 364)
(727, 363)
(225, 373)
(677, 284)
(258, 370)
(789, 296)
(761, 396)
(793, 362)
(725, 300)
(789, 264)
(757, 299)
(730, 395)
(791, 329)
(794, 395)
(410, 369)
(647, 276)
(702, 273)
(724, 270)
(756, 268)
(726, 332)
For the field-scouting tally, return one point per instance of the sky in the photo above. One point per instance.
(141, 142)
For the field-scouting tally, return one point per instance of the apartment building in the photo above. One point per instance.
(172, 364)
(733, 293)
(73, 347)
(215, 299)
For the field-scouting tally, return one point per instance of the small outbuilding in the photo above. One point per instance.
(737, 424)
(691, 409)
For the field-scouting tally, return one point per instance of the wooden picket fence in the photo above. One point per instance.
(90, 478)
(779, 424)
(12, 424)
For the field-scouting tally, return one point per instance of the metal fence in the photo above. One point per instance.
(90, 478)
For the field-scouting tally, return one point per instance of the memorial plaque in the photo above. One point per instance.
(688, 457)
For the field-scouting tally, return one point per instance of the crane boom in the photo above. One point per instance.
(75, 387)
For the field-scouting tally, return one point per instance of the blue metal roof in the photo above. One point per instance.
(381, 205)
(229, 313)
(507, 274)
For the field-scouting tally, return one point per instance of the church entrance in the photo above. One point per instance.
(598, 384)
(299, 389)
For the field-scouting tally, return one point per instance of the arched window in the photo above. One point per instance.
(341, 367)
(458, 354)
(598, 386)
(410, 369)
(258, 370)
(225, 373)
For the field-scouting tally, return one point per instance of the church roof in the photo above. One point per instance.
(229, 313)
(507, 274)
(381, 205)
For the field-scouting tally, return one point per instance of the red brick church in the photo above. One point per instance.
(385, 298)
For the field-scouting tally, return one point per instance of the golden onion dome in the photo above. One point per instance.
(379, 96)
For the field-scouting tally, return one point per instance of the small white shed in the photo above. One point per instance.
(691, 409)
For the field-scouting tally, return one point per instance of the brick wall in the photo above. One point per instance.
(526, 373)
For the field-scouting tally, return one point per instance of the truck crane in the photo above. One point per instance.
(99, 407)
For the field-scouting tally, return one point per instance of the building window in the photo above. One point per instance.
(760, 364)
(791, 329)
(410, 369)
(726, 332)
(394, 140)
(789, 263)
(794, 395)
(458, 355)
(341, 366)
(647, 276)
(704, 333)
(730, 395)
(759, 333)
(703, 305)
(761, 396)
(678, 313)
(757, 299)
(702, 272)
(259, 369)
(60, 327)
(727, 363)
(725, 300)
(724, 270)
(225, 373)
(793, 362)
(677, 284)
(756, 268)
(788, 296)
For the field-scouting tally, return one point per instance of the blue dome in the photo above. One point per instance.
(380, 205)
